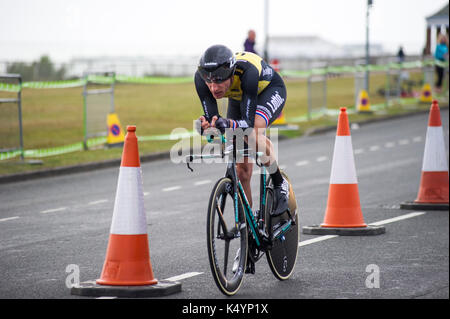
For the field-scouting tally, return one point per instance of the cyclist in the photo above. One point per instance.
(257, 95)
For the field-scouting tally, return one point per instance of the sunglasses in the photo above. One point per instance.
(218, 75)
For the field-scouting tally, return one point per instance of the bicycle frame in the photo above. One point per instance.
(231, 173)
(249, 214)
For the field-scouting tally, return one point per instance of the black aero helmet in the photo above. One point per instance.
(217, 64)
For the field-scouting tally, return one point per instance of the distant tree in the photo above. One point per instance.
(41, 70)
(45, 69)
(26, 71)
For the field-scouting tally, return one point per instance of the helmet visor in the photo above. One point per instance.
(216, 75)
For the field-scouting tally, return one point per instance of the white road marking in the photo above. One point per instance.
(206, 181)
(359, 151)
(381, 222)
(315, 240)
(8, 218)
(184, 276)
(398, 218)
(374, 148)
(417, 139)
(302, 163)
(389, 144)
(54, 210)
(321, 158)
(169, 189)
(146, 193)
(403, 142)
(96, 202)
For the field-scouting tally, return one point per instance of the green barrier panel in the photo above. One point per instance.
(100, 79)
(305, 118)
(348, 69)
(10, 87)
(53, 84)
(362, 68)
(412, 65)
(54, 150)
(76, 147)
(298, 74)
(442, 64)
(8, 155)
(341, 69)
(378, 68)
(319, 71)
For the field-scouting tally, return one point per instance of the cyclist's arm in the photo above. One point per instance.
(249, 86)
(209, 103)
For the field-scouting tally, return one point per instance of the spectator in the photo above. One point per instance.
(249, 44)
(404, 75)
(440, 55)
(400, 55)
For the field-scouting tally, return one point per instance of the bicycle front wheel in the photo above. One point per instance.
(226, 238)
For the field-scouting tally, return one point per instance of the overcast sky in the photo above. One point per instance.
(66, 29)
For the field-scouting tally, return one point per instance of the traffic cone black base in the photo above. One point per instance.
(369, 230)
(423, 206)
(91, 289)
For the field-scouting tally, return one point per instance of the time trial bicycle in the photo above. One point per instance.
(237, 236)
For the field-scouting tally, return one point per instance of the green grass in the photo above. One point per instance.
(54, 117)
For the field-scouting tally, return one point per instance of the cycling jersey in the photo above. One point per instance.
(252, 77)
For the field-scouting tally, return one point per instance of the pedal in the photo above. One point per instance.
(250, 267)
(266, 242)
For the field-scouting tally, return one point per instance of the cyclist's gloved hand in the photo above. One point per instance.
(222, 124)
(201, 124)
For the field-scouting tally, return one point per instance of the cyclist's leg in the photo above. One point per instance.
(244, 169)
(270, 105)
(263, 144)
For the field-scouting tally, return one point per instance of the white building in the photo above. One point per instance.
(313, 47)
(436, 23)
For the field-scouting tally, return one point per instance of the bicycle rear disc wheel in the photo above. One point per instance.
(227, 245)
(282, 257)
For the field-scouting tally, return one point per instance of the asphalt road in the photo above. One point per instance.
(50, 223)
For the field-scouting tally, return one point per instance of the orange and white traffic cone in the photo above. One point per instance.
(127, 260)
(127, 270)
(343, 215)
(433, 189)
